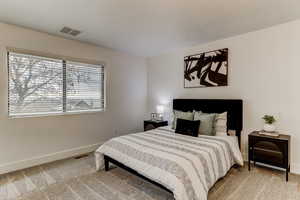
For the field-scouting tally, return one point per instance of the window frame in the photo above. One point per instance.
(64, 60)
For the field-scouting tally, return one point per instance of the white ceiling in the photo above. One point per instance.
(149, 27)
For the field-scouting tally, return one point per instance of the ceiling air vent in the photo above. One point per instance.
(74, 32)
(70, 31)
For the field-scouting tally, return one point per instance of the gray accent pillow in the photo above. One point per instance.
(181, 115)
(207, 122)
(220, 124)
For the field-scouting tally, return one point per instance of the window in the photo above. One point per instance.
(44, 86)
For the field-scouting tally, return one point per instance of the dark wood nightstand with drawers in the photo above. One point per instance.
(270, 150)
(149, 124)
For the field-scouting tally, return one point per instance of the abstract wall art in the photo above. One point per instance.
(209, 69)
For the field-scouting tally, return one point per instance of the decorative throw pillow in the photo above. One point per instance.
(182, 115)
(187, 127)
(207, 122)
(220, 125)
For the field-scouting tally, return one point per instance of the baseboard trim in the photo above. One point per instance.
(23, 164)
(295, 168)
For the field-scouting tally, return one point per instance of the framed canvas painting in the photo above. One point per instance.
(208, 69)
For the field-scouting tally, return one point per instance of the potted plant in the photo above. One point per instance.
(269, 123)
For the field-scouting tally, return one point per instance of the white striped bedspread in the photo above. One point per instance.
(187, 166)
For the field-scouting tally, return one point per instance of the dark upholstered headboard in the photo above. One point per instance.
(233, 107)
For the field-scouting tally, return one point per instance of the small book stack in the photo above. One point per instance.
(272, 134)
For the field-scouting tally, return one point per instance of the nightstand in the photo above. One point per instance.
(270, 150)
(149, 124)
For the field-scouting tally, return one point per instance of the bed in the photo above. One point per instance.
(183, 165)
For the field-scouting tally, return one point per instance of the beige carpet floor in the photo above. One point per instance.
(76, 179)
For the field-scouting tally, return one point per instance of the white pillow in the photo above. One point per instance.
(220, 126)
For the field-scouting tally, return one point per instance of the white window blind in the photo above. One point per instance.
(83, 89)
(45, 86)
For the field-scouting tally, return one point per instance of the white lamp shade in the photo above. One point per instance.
(160, 109)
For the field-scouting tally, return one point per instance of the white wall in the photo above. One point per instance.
(30, 141)
(264, 71)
